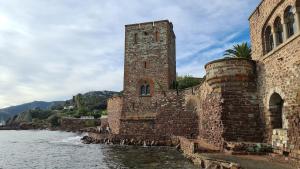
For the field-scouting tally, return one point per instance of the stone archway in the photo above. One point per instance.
(276, 111)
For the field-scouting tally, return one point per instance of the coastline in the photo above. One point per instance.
(204, 159)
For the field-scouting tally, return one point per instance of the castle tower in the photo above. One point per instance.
(150, 66)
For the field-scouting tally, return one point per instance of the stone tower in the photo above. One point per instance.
(150, 67)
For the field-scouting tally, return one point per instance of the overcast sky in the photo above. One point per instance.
(53, 49)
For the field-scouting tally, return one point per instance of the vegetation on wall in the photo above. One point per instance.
(183, 82)
(242, 50)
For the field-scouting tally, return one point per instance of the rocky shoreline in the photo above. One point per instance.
(203, 159)
(106, 138)
(199, 159)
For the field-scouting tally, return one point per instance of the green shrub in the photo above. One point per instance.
(104, 113)
(186, 82)
(54, 120)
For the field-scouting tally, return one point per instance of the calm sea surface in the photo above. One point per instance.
(62, 150)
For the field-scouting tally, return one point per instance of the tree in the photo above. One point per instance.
(239, 51)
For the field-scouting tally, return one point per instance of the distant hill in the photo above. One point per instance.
(94, 100)
(15, 110)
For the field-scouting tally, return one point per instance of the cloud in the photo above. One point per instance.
(51, 50)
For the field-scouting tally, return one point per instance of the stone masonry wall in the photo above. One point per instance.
(172, 119)
(235, 81)
(278, 71)
(264, 15)
(114, 110)
(208, 108)
(294, 134)
(149, 59)
(223, 108)
(75, 124)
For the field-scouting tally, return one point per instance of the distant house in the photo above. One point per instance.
(68, 107)
(87, 117)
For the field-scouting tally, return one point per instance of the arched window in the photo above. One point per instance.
(145, 89)
(278, 31)
(269, 42)
(289, 19)
(275, 108)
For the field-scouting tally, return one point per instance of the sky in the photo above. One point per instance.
(53, 49)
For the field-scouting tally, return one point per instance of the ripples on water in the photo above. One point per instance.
(61, 150)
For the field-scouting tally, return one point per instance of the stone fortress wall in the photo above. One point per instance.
(239, 101)
(278, 72)
(223, 108)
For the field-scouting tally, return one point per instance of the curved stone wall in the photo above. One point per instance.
(234, 79)
(231, 74)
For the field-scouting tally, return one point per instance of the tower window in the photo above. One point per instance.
(135, 38)
(156, 36)
(145, 65)
(145, 89)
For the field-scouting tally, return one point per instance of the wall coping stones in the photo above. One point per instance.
(228, 59)
(145, 23)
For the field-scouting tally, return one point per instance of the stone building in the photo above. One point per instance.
(275, 37)
(239, 101)
(149, 107)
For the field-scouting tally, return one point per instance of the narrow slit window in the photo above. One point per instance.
(156, 36)
(135, 38)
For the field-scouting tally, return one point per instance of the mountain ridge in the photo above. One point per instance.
(8, 112)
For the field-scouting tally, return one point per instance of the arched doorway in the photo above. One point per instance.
(276, 111)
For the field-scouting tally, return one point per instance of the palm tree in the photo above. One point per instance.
(239, 51)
